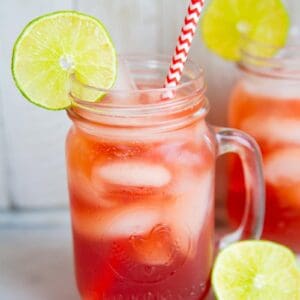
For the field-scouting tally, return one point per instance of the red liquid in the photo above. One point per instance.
(273, 120)
(142, 214)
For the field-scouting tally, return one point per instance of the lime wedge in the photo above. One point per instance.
(56, 45)
(227, 25)
(256, 270)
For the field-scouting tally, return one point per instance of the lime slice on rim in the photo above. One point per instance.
(56, 45)
(227, 25)
(256, 270)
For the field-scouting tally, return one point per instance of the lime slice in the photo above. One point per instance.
(256, 270)
(56, 45)
(227, 25)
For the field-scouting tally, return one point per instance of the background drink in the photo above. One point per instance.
(266, 104)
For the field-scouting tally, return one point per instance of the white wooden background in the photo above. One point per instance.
(32, 140)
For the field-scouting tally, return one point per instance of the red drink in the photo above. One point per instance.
(142, 215)
(269, 110)
(141, 182)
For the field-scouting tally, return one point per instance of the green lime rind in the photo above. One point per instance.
(256, 270)
(228, 25)
(56, 45)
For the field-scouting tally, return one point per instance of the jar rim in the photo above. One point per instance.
(193, 81)
(276, 62)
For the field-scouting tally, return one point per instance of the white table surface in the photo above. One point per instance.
(36, 258)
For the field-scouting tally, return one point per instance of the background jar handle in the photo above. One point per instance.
(234, 141)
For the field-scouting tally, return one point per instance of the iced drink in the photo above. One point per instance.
(141, 182)
(269, 109)
(142, 213)
(142, 198)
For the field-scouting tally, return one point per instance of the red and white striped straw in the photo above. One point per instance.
(183, 45)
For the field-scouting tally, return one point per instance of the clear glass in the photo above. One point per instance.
(265, 103)
(141, 173)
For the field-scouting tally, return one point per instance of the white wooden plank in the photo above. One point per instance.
(34, 137)
(293, 7)
(4, 202)
(133, 24)
(170, 17)
(37, 264)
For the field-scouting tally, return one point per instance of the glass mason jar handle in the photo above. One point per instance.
(234, 141)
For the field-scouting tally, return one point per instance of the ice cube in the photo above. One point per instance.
(82, 188)
(133, 221)
(273, 129)
(125, 87)
(124, 80)
(117, 223)
(190, 210)
(271, 89)
(132, 173)
(282, 171)
(192, 204)
(282, 167)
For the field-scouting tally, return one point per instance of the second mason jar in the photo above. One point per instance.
(265, 102)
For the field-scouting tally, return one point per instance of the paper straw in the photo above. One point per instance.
(183, 46)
